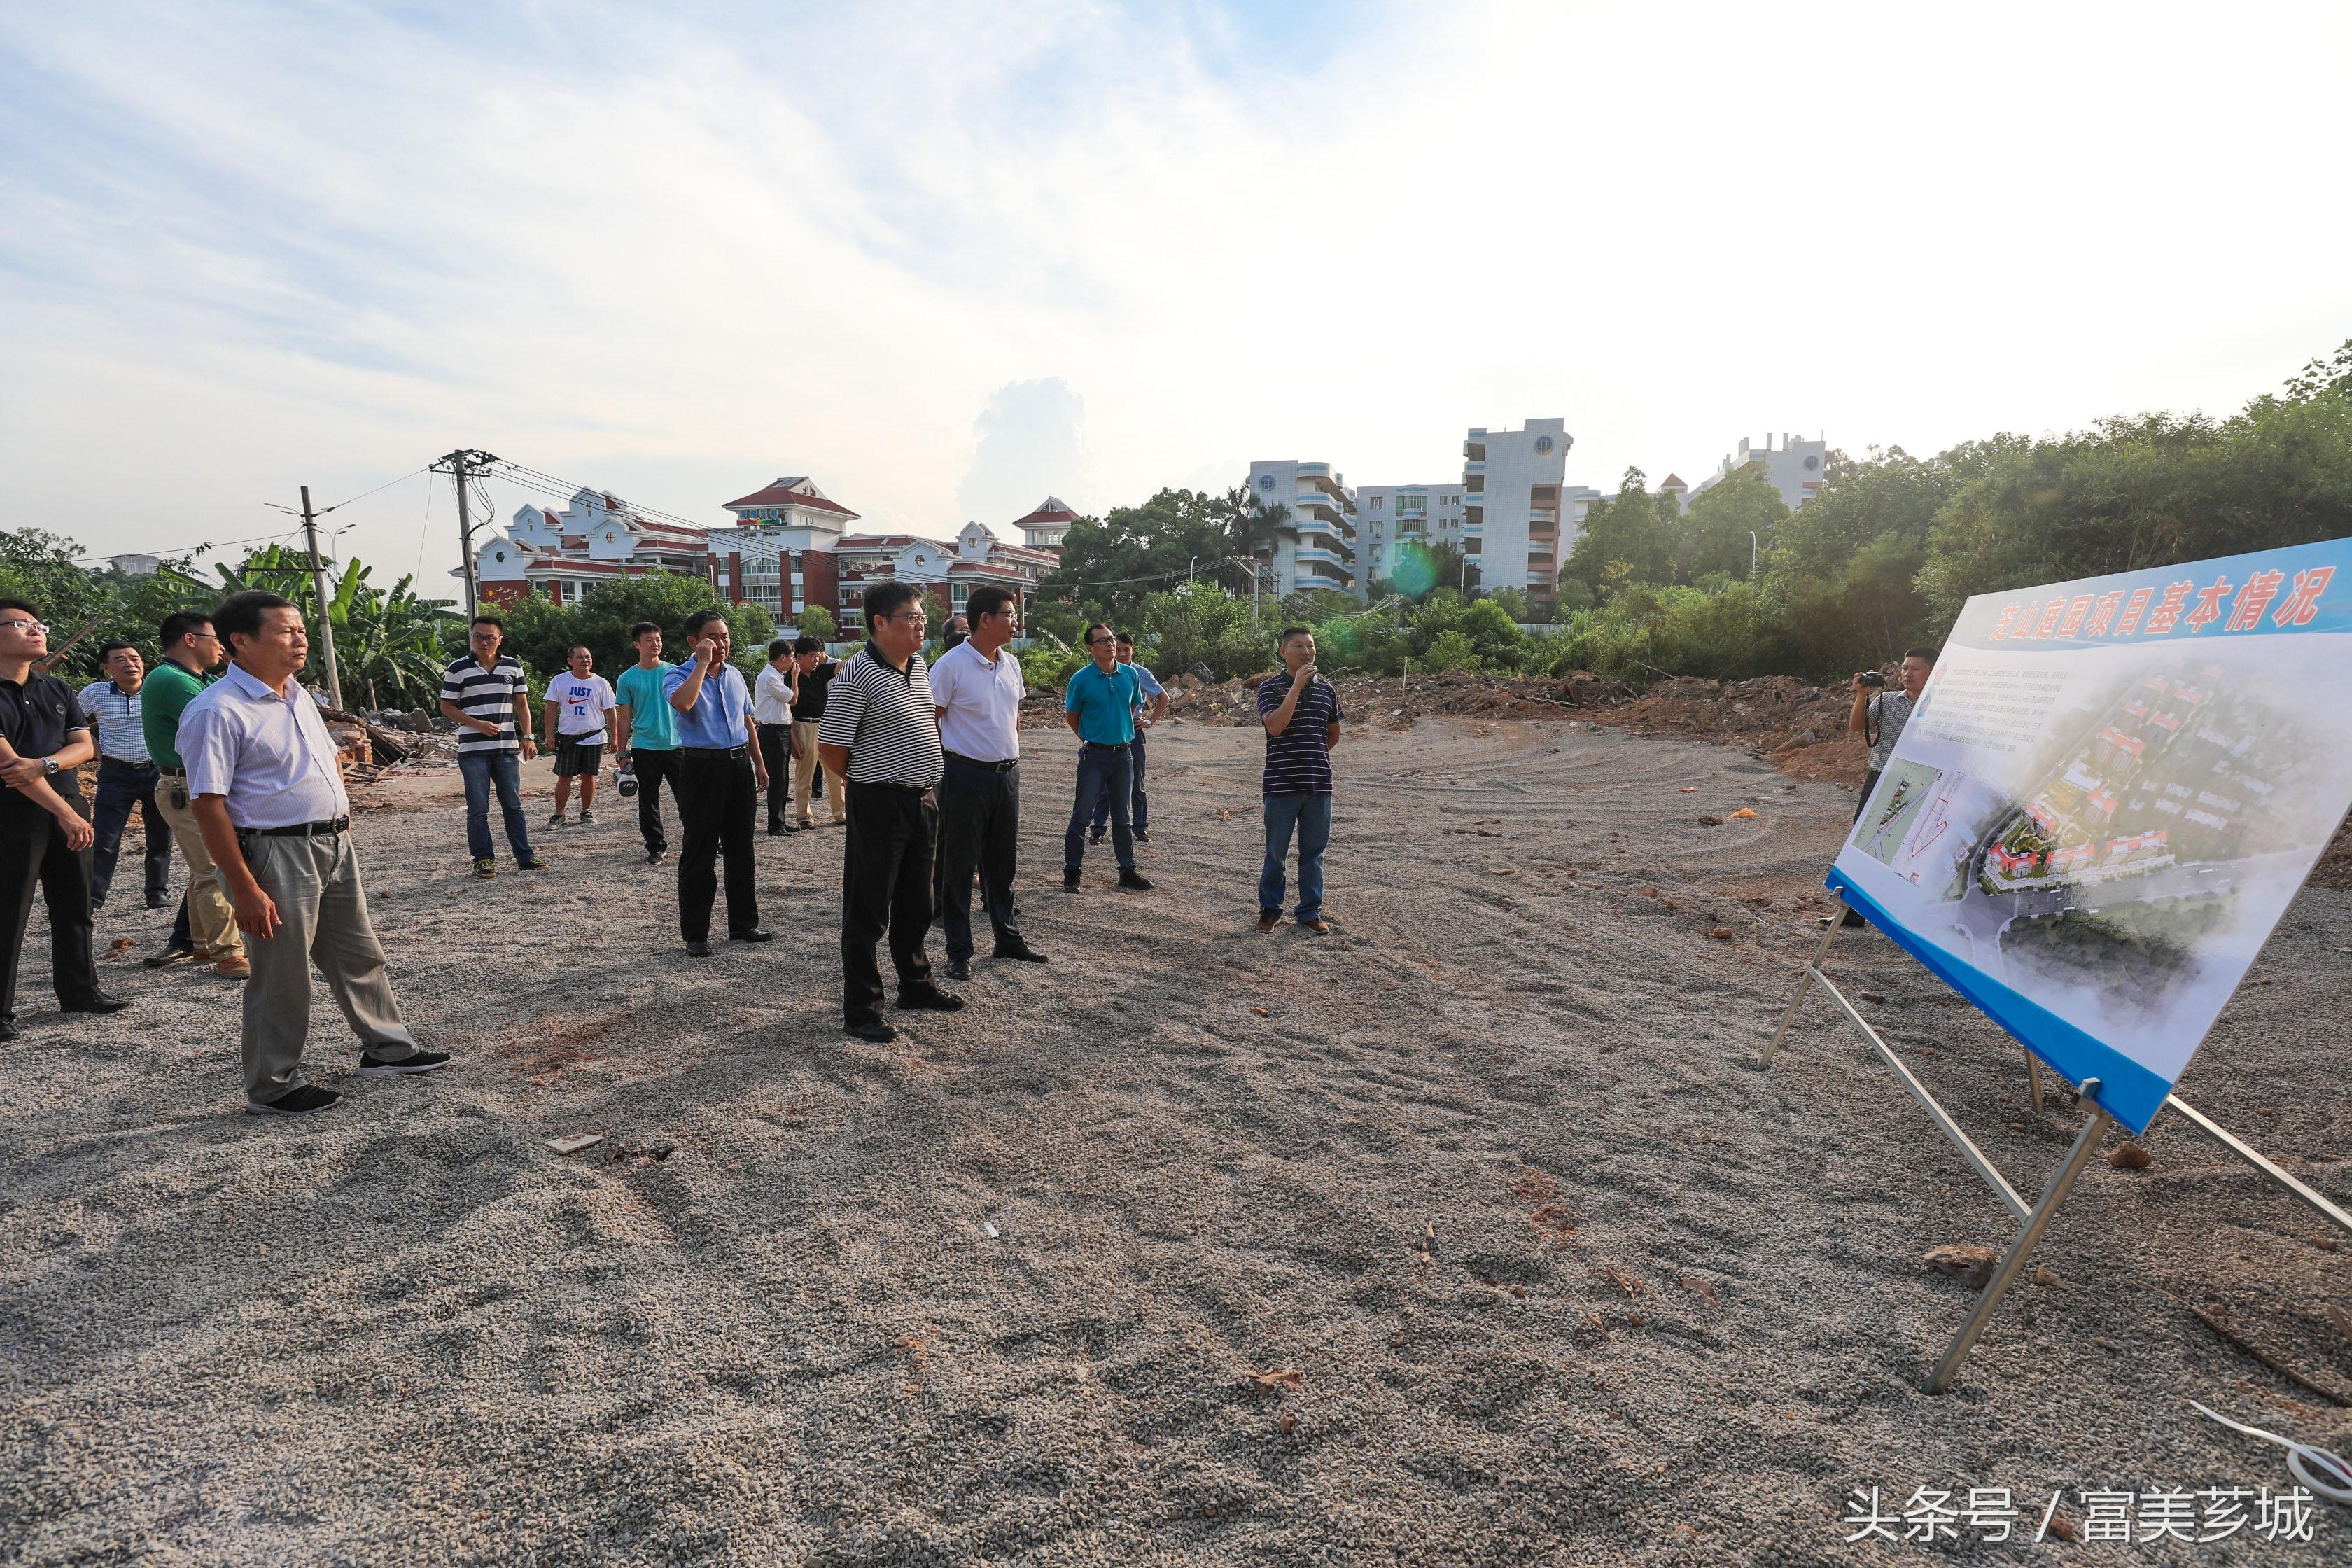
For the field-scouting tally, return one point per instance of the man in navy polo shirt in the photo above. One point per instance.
(1301, 713)
(1099, 707)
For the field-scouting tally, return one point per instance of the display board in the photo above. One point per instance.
(2109, 793)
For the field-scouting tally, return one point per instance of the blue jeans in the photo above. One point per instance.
(1311, 816)
(120, 786)
(1101, 772)
(1138, 808)
(504, 770)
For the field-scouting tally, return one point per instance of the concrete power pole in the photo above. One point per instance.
(325, 630)
(460, 465)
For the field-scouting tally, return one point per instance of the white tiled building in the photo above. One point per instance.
(1316, 546)
(1391, 515)
(1793, 467)
(1513, 527)
(595, 538)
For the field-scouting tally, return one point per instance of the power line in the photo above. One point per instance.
(1153, 577)
(196, 548)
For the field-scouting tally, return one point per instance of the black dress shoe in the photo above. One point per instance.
(755, 934)
(1070, 881)
(697, 949)
(959, 969)
(155, 901)
(1021, 951)
(879, 1033)
(927, 996)
(1132, 878)
(8, 1030)
(98, 1004)
(653, 857)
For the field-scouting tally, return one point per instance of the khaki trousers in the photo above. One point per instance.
(315, 883)
(211, 920)
(805, 768)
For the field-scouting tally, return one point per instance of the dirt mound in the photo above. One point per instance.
(1799, 726)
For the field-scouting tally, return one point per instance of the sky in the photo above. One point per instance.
(948, 259)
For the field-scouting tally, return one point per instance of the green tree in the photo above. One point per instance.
(1108, 567)
(1202, 625)
(816, 621)
(541, 632)
(1725, 527)
(1627, 539)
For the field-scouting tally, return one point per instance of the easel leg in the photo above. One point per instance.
(2012, 1264)
(2033, 1071)
(1803, 986)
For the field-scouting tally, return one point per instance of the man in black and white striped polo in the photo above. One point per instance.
(487, 695)
(882, 733)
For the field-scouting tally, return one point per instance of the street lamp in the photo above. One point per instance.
(1752, 552)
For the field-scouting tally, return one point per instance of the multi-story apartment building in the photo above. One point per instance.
(1513, 503)
(594, 538)
(1316, 545)
(1793, 467)
(1047, 525)
(976, 558)
(1391, 515)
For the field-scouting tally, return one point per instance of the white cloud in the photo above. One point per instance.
(676, 254)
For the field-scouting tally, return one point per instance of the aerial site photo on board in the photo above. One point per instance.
(2111, 791)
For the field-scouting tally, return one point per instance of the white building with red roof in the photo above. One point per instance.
(791, 546)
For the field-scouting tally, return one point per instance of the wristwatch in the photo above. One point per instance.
(50, 764)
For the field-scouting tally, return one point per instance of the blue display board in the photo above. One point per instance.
(2108, 795)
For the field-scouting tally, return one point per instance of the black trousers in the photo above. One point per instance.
(886, 885)
(33, 853)
(651, 769)
(716, 799)
(979, 829)
(776, 750)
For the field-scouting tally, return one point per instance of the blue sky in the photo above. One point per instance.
(949, 257)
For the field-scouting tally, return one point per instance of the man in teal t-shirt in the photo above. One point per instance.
(1099, 705)
(648, 733)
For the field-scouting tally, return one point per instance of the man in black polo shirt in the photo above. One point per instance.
(816, 673)
(44, 840)
(881, 732)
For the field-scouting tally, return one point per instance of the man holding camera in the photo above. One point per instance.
(1879, 715)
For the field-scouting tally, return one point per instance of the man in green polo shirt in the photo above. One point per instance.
(1099, 707)
(189, 650)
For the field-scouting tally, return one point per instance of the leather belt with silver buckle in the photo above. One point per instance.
(300, 829)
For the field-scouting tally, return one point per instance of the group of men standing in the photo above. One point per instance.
(921, 763)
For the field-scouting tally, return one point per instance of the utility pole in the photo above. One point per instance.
(459, 465)
(326, 626)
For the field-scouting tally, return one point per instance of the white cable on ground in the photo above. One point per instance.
(2336, 1488)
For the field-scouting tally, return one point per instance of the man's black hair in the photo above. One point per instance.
(1094, 626)
(1927, 653)
(579, 647)
(7, 604)
(1127, 638)
(642, 628)
(106, 649)
(1289, 632)
(988, 600)
(808, 644)
(243, 613)
(484, 619)
(778, 648)
(883, 599)
(703, 617)
(179, 624)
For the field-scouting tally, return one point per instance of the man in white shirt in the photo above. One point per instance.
(579, 718)
(977, 686)
(269, 798)
(126, 774)
(771, 710)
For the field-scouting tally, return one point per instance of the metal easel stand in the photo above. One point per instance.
(2036, 1219)
(2254, 1157)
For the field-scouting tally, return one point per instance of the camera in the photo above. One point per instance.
(1871, 677)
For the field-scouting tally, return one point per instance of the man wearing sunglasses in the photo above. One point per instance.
(44, 840)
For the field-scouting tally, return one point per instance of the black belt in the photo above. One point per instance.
(985, 767)
(299, 830)
(125, 763)
(1107, 746)
(714, 751)
(887, 784)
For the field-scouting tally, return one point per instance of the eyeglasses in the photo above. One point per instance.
(24, 626)
(1097, 642)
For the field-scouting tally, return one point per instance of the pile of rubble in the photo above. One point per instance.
(1799, 726)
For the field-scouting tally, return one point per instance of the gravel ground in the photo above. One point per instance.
(1562, 1277)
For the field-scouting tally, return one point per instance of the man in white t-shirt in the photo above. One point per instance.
(579, 709)
(772, 711)
(977, 687)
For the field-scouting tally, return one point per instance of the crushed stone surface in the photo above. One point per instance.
(1469, 1234)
